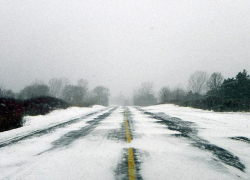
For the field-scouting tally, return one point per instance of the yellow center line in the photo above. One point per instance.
(131, 165)
(131, 160)
(127, 131)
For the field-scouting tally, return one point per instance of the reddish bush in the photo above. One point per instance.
(12, 111)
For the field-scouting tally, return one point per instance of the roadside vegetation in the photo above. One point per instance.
(204, 92)
(13, 110)
(211, 93)
(40, 98)
(144, 95)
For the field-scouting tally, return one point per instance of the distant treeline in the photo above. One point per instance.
(39, 98)
(204, 92)
(75, 95)
(144, 95)
(213, 93)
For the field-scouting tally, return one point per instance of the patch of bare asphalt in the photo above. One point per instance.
(188, 130)
(72, 136)
(240, 138)
(130, 117)
(120, 134)
(121, 171)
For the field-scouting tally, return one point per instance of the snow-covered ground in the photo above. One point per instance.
(217, 128)
(33, 123)
(87, 157)
(216, 124)
(95, 147)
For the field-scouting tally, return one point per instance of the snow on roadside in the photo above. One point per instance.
(91, 156)
(58, 116)
(222, 124)
(216, 127)
(166, 157)
(32, 123)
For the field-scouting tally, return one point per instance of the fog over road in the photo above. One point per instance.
(129, 143)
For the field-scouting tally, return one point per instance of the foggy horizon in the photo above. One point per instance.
(120, 44)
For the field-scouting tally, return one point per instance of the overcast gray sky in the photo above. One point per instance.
(121, 43)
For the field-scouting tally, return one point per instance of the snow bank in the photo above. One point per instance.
(98, 106)
(223, 124)
(216, 127)
(32, 123)
(92, 156)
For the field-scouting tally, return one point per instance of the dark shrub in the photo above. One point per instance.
(12, 111)
(43, 105)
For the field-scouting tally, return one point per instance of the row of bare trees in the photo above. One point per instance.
(144, 95)
(78, 94)
(166, 94)
(203, 91)
(6, 93)
(213, 92)
(199, 84)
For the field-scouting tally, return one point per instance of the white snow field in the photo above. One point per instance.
(217, 128)
(94, 147)
(32, 123)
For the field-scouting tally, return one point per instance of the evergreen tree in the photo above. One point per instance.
(236, 88)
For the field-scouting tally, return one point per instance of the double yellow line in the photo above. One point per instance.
(131, 159)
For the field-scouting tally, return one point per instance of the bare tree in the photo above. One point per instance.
(146, 88)
(1, 91)
(9, 94)
(165, 94)
(144, 95)
(101, 94)
(4, 93)
(90, 99)
(56, 86)
(73, 95)
(215, 81)
(178, 93)
(38, 82)
(197, 82)
(35, 90)
(83, 83)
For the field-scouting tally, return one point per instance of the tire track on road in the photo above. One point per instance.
(72, 136)
(187, 130)
(46, 130)
(242, 139)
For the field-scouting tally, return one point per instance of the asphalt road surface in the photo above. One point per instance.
(118, 143)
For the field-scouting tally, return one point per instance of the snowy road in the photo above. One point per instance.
(157, 142)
